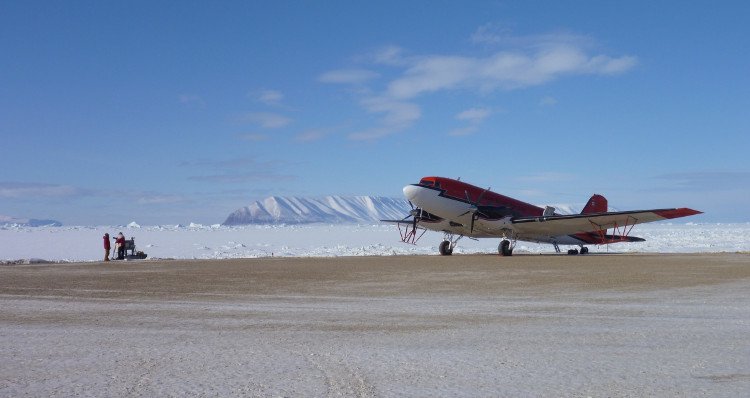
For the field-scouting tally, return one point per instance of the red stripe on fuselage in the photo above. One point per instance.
(458, 190)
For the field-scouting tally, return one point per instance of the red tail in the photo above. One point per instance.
(597, 204)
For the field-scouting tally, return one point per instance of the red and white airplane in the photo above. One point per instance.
(459, 209)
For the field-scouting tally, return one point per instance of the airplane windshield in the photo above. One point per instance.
(426, 183)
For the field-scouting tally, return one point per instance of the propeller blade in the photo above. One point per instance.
(479, 199)
(411, 204)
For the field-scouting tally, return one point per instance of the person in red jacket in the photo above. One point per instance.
(120, 244)
(107, 247)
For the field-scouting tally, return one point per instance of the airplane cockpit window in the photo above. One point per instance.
(426, 183)
(437, 184)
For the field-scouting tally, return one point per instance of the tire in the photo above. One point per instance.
(504, 248)
(573, 252)
(445, 248)
(584, 250)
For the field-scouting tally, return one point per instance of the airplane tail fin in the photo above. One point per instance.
(597, 204)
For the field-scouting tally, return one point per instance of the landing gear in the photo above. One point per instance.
(449, 243)
(445, 248)
(504, 248)
(584, 250)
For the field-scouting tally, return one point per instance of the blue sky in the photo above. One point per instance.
(172, 112)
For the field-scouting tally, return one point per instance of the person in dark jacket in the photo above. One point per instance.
(120, 244)
(107, 246)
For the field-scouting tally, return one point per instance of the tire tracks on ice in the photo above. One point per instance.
(340, 378)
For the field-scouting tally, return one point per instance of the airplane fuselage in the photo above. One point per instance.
(457, 208)
(452, 204)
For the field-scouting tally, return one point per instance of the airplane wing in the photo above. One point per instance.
(581, 223)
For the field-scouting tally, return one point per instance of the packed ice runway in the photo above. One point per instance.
(469, 325)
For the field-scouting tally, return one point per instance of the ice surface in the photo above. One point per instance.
(196, 241)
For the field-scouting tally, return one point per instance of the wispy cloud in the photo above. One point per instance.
(389, 55)
(253, 137)
(461, 131)
(491, 33)
(548, 101)
(269, 97)
(474, 116)
(311, 135)
(239, 170)
(518, 62)
(158, 199)
(549, 176)
(506, 70)
(396, 116)
(191, 99)
(266, 120)
(245, 161)
(242, 177)
(30, 190)
(705, 181)
(348, 76)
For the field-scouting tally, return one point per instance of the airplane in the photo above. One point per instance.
(459, 209)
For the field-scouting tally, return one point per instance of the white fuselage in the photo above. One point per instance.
(456, 216)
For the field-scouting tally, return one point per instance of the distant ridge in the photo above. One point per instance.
(28, 222)
(329, 209)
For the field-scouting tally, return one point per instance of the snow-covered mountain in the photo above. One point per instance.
(329, 209)
(28, 222)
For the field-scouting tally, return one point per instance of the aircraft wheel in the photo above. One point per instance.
(445, 248)
(584, 250)
(573, 252)
(504, 248)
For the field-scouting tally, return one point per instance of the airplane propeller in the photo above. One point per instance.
(415, 213)
(474, 210)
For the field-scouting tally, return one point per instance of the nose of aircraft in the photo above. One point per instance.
(410, 191)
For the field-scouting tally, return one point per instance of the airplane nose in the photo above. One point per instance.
(410, 191)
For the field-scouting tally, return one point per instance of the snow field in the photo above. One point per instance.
(220, 242)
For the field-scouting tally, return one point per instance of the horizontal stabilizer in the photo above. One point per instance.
(597, 238)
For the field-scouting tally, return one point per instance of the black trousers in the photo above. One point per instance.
(121, 253)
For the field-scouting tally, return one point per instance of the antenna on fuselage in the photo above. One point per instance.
(458, 179)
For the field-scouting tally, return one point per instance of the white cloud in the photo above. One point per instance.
(24, 190)
(266, 120)
(461, 131)
(491, 33)
(474, 115)
(270, 97)
(522, 61)
(191, 99)
(160, 199)
(310, 136)
(348, 76)
(548, 101)
(546, 177)
(508, 69)
(253, 137)
(397, 116)
(390, 55)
